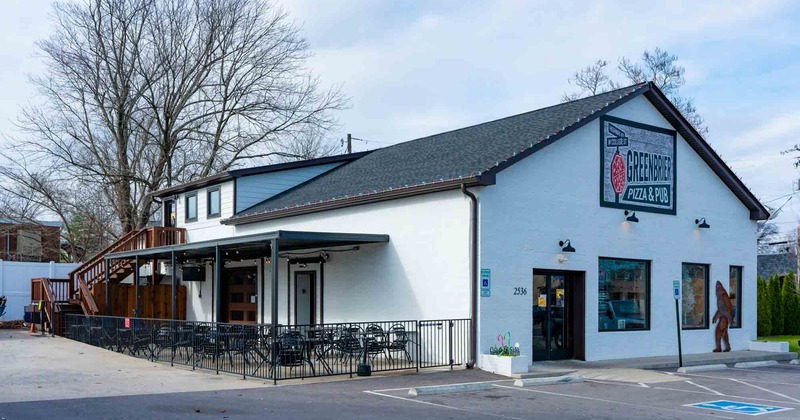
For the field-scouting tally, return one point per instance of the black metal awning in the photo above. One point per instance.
(253, 246)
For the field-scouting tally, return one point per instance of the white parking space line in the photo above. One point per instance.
(767, 390)
(749, 380)
(704, 387)
(738, 397)
(582, 397)
(464, 410)
(769, 369)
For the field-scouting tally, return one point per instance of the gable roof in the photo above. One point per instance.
(472, 156)
(237, 173)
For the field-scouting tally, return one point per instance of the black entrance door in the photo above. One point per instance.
(553, 313)
(169, 213)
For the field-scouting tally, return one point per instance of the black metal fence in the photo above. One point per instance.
(288, 352)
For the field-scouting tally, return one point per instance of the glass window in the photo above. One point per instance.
(623, 294)
(191, 207)
(213, 202)
(735, 293)
(694, 295)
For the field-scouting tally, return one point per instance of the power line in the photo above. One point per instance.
(372, 141)
(780, 197)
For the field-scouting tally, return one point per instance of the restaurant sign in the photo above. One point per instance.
(637, 166)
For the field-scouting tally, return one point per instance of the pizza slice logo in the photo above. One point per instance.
(617, 138)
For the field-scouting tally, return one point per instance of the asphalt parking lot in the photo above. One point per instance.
(734, 392)
(111, 386)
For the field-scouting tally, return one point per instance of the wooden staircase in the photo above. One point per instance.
(92, 273)
(77, 294)
(56, 298)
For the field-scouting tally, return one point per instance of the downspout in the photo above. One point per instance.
(473, 270)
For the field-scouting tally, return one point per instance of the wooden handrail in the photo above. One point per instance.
(93, 271)
(105, 251)
(42, 291)
(88, 304)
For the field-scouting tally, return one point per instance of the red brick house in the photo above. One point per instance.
(30, 241)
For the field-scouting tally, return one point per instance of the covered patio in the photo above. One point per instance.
(237, 336)
(265, 249)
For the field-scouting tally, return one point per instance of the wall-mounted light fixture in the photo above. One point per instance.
(566, 246)
(631, 216)
(701, 223)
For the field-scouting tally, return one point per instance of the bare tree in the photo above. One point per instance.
(87, 223)
(591, 80)
(309, 144)
(765, 236)
(137, 95)
(657, 66)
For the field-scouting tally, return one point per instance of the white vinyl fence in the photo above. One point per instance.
(15, 282)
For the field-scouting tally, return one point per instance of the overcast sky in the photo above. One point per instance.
(414, 68)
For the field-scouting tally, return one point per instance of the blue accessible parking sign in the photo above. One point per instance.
(749, 409)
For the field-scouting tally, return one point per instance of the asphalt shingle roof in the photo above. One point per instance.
(462, 153)
(780, 264)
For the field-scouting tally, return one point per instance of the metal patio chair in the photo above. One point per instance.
(349, 344)
(292, 352)
(184, 339)
(164, 338)
(205, 345)
(375, 341)
(138, 339)
(399, 341)
(244, 343)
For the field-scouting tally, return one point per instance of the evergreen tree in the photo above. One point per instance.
(764, 309)
(791, 307)
(776, 304)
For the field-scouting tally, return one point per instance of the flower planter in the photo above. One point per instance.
(504, 365)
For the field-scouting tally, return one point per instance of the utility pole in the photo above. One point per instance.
(349, 143)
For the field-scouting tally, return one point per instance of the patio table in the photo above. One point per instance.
(316, 340)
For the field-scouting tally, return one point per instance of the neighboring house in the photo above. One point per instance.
(37, 241)
(779, 264)
(564, 227)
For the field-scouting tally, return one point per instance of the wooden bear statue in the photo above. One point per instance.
(725, 316)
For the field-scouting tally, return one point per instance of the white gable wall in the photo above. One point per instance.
(421, 273)
(207, 228)
(554, 195)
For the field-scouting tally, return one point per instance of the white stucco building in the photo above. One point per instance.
(565, 227)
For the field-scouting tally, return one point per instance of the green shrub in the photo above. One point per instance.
(791, 307)
(776, 304)
(764, 309)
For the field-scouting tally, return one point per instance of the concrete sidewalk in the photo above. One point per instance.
(36, 367)
(667, 362)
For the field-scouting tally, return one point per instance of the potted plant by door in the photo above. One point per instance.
(503, 359)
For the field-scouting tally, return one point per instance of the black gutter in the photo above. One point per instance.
(473, 271)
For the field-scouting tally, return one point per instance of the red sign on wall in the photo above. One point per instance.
(127, 322)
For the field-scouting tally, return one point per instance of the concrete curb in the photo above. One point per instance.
(450, 389)
(794, 362)
(749, 365)
(702, 368)
(543, 374)
(548, 380)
